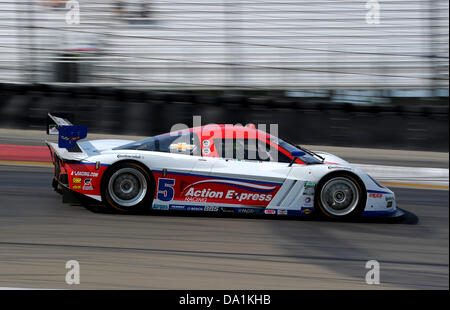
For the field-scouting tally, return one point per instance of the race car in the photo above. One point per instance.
(214, 168)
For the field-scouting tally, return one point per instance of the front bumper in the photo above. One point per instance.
(397, 213)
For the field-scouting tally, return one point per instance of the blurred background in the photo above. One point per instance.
(366, 80)
(352, 73)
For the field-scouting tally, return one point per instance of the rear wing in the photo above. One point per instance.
(68, 134)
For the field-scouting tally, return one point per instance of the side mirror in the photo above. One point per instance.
(295, 154)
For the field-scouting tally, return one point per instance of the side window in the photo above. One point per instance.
(187, 143)
(282, 158)
(183, 143)
(246, 149)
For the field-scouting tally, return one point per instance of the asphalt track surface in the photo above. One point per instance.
(39, 233)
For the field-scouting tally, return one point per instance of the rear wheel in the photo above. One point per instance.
(341, 196)
(127, 187)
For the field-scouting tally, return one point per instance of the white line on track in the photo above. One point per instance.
(413, 175)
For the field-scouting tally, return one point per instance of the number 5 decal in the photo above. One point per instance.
(165, 189)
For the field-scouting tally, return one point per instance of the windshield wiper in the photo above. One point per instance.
(310, 152)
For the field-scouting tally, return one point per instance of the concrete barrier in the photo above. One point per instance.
(132, 112)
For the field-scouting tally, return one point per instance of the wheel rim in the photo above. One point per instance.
(127, 187)
(339, 196)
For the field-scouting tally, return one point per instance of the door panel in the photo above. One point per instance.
(249, 183)
(203, 166)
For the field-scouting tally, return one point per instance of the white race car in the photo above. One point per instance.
(214, 168)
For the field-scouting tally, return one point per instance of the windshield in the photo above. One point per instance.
(309, 158)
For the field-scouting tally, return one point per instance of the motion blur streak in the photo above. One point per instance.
(376, 93)
(24, 153)
(434, 178)
(40, 233)
(243, 44)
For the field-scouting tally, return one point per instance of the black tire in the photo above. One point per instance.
(127, 187)
(340, 195)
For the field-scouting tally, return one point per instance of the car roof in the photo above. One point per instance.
(227, 131)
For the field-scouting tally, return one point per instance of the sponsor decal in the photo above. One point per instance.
(339, 167)
(87, 185)
(76, 180)
(84, 174)
(181, 147)
(76, 187)
(227, 210)
(194, 208)
(196, 199)
(375, 195)
(309, 188)
(270, 211)
(160, 207)
(247, 210)
(177, 207)
(53, 129)
(308, 191)
(308, 202)
(136, 156)
(310, 184)
(206, 151)
(206, 143)
(262, 191)
(69, 139)
(282, 212)
(211, 209)
(230, 194)
(306, 211)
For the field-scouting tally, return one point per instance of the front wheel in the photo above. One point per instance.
(127, 187)
(341, 196)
